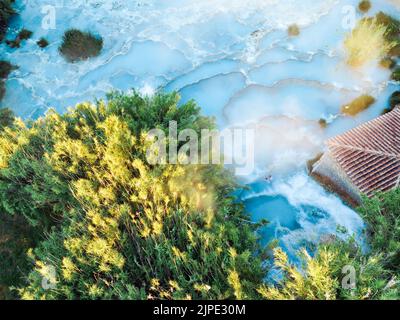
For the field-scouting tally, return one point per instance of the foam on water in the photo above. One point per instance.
(301, 213)
(236, 59)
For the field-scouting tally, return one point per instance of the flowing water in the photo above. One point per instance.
(235, 59)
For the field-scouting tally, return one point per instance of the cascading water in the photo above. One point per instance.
(235, 59)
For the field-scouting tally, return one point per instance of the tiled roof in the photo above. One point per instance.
(370, 153)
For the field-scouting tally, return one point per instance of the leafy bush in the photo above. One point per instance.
(376, 273)
(42, 42)
(16, 237)
(358, 105)
(2, 89)
(393, 32)
(315, 283)
(364, 6)
(382, 214)
(323, 123)
(24, 34)
(294, 30)
(116, 226)
(6, 118)
(394, 100)
(396, 74)
(368, 42)
(78, 45)
(387, 63)
(5, 70)
(6, 12)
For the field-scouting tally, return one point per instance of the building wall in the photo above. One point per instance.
(328, 172)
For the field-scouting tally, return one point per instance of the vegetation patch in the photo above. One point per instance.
(6, 117)
(394, 99)
(387, 63)
(396, 74)
(364, 6)
(376, 272)
(42, 42)
(112, 225)
(78, 45)
(368, 42)
(5, 70)
(323, 123)
(24, 34)
(2, 89)
(294, 30)
(392, 32)
(6, 12)
(358, 105)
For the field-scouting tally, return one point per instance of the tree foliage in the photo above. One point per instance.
(377, 273)
(78, 45)
(368, 42)
(6, 12)
(113, 226)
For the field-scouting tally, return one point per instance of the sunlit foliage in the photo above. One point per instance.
(367, 42)
(115, 226)
(377, 272)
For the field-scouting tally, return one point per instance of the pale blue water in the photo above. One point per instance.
(235, 59)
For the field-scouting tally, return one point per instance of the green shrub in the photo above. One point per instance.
(376, 272)
(16, 237)
(382, 215)
(2, 89)
(112, 225)
(364, 6)
(294, 30)
(323, 123)
(358, 105)
(394, 100)
(368, 41)
(42, 42)
(387, 63)
(5, 69)
(6, 12)
(396, 74)
(24, 34)
(393, 32)
(6, 117)
(78, 45)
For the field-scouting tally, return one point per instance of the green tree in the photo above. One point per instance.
(114, 226)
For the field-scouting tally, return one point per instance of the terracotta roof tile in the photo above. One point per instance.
(370, 153)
